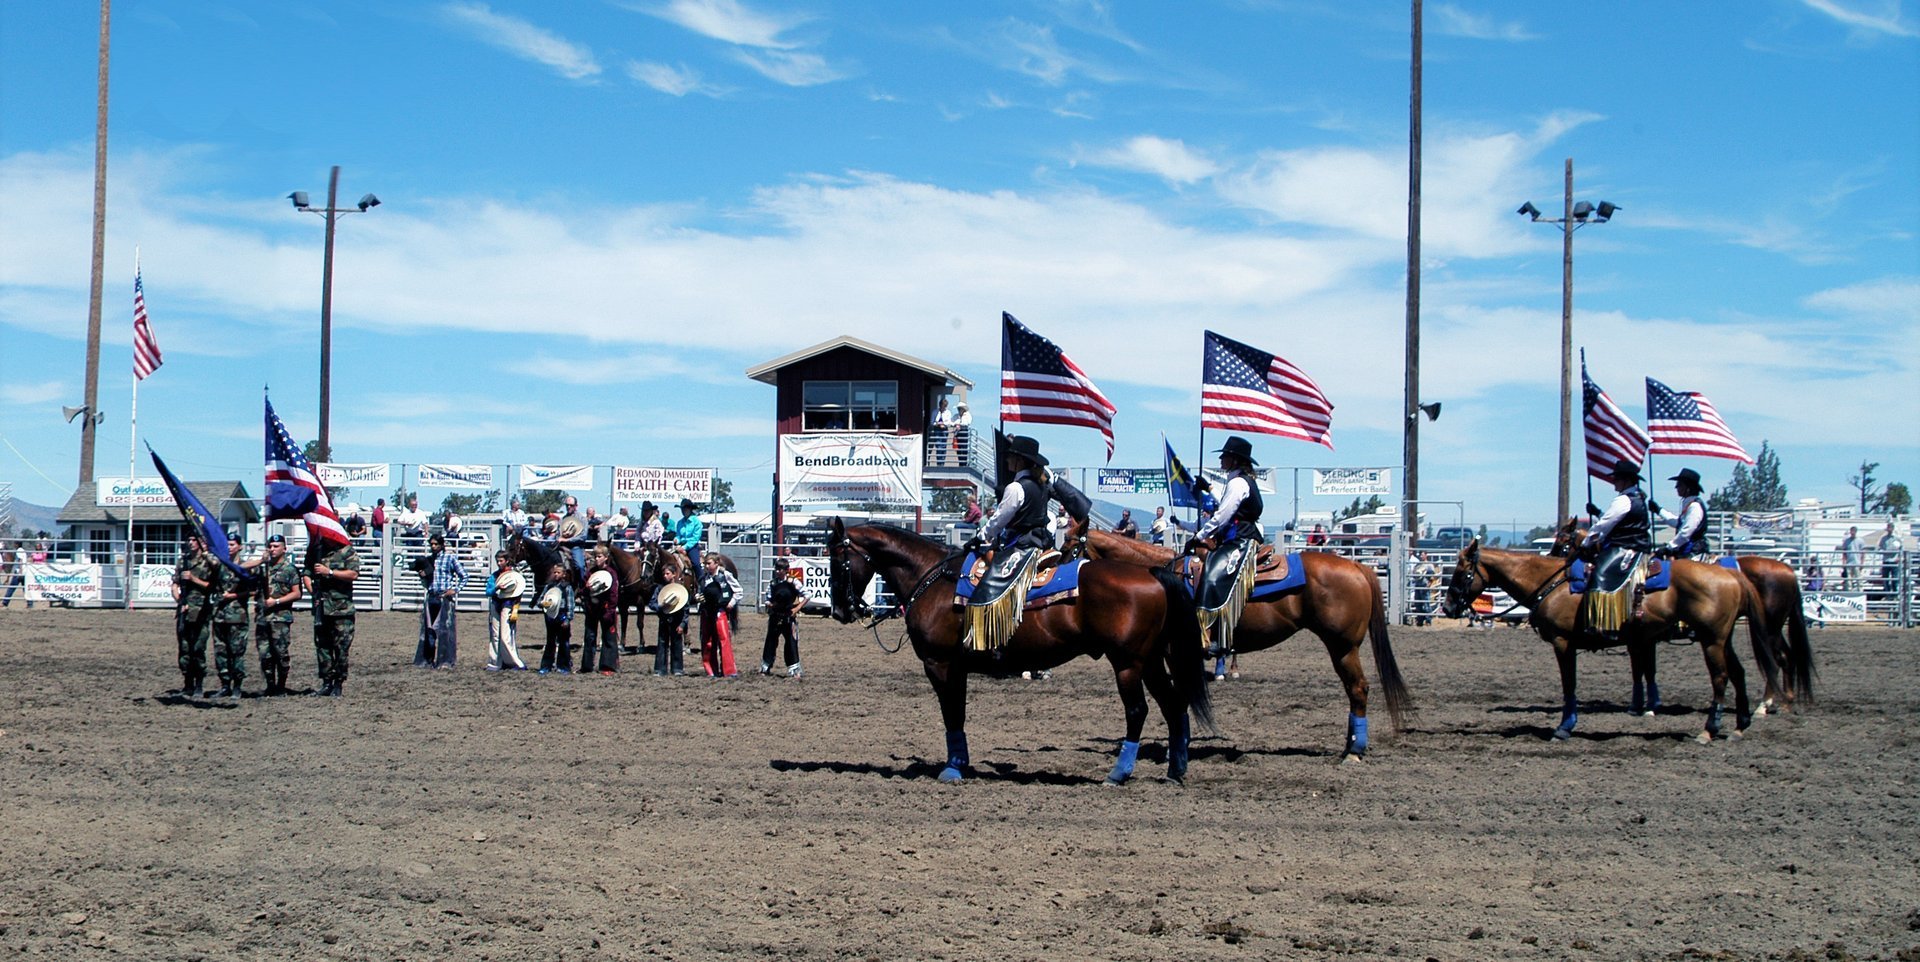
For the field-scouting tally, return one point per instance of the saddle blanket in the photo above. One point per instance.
(1295, 576)
(1051, 586)
(1659, 576)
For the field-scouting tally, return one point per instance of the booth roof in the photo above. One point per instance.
(228, 499)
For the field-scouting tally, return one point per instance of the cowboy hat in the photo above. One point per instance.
(600, 582)
(1688, 475)
(508, 586)
(672, 598)
(1624, 468)
(1022, 446)
(550, 599)
(686, 504)
(1238, 447)
(571, 527)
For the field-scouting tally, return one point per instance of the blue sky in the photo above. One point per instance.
(597, 214)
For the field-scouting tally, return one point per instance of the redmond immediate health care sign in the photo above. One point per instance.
(829, 468)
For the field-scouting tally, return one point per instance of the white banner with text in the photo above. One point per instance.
(566, 477)
(828, 468)
(475, 476)
(335, 474)
(662, 485)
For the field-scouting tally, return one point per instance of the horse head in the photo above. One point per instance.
(1467, 582)
(1568, 539)
(849, 570)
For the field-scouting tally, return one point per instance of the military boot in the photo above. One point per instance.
(266, 672)
(280, 676)
(325, 689)
(337, 689)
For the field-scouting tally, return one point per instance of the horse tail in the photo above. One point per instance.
(1186, 650)
(1393, 686)
(1800, 669)
(1756, 613)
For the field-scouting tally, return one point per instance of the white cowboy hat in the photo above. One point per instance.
(673, 598)
(600, 582)
(508, 585)
(550, 599)
(572, 527)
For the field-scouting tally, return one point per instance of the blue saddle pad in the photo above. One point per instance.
(1730, 562)
(1659, 575)
(1296, 576)
(1060, 579)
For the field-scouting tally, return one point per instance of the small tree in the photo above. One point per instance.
(460, 503)
(398, 499)
(722, 496)
(543, 501)
(1864, 483)
(948, 500)
(1896, 499)
(491, 502)
(1358, 508)
(1758, 489)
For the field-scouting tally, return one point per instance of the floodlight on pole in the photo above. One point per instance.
(1574, 217)
(332, 213)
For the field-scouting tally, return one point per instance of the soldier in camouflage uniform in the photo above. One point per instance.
(231, 589)
(334, 568)
(192, 578)
(273, 624)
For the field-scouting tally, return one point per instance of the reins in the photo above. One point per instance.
(920, 588)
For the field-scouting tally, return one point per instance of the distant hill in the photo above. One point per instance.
(28, 516)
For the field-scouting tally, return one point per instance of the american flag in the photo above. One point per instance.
(292, 489)
(146, 350)
(1247, 389)
(1683, 422)
(1611, 435)
(1040, 384)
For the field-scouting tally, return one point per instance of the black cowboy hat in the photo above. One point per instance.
(1688, 475)
(1022, 446)
(686, 504)
(1624, 468)
(1238, 447)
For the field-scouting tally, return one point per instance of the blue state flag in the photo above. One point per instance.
(203, 521)
(1179, 480)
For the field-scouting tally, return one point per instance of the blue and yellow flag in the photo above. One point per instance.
(205, 522)
(1179, 480)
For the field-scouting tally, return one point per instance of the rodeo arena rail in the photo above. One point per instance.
(1840, 585)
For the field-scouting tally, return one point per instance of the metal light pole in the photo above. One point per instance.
(1410, 440)
(92, 403)
(332, 212)
(1573, 217)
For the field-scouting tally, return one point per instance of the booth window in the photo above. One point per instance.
(850, 406)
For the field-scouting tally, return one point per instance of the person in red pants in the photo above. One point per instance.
(717, 591)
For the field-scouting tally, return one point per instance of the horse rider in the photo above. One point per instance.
(1235, 523)
(1020, 521)
(1690, 522)
(1625, 523)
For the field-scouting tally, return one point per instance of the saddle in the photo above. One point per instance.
(1226, 583)
(1613, 586)
(997, 590)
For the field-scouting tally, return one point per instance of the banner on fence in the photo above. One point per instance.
(336, 474)
(827, 468)
(814, 584)
(474, 476)
(1352, 481)
(662, 485)
(75, 584)
(1130, 480)
(1262, 479)
(153, 584)
(566, 477)
(1763, 521)
(135, 492)
(1834, 606)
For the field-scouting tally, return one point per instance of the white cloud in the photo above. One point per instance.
(1453, 21)
(676, 81)
(1169, 159)
(523, 39)
(1893, 300)
(42, 392)
(791, 68)
(1882, 17)
(726, 20)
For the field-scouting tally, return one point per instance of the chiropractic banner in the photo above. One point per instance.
(828, 468)
(476, 476)
(1130, 480)
(566, 477)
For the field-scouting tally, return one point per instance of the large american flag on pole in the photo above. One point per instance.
(146, 350)
(1040, 384)
(1611, 435)
(1686, 423)
(1247, 389)
(293, 491)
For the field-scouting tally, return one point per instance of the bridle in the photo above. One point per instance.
(927, 578)
(1477, 581)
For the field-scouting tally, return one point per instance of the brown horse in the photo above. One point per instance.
(1776, 607)
(1340, 603)
(1140, 621)
(642, 573)
(1708, 598)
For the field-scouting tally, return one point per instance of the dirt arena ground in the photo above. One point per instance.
(474, 815)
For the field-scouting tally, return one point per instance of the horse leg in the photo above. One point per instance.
(950, 686)
(1353, 678)
(1128, 678)
(1644, 657)
(1742, 713)
(1569, 657)
(1716, 655)
(1179, 732)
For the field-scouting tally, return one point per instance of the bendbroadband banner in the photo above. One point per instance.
(830, 468)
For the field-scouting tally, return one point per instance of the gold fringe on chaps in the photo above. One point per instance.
(1610, 611)
(991, 626)
(1227, 616)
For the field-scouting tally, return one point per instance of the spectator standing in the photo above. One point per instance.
(962, 426)
(1157, 529)
(503, 614)
(1317, 538)
(449, 576)
(515, 517)
(412, 521)
(1890, 548)
(1126, 528)
(13, 571)
(690, 531)
(450, 524)
(380, 517)
(557, 605)
(973, 513)
(1850, 560)
(783, 601)
(718, 591)
(334, 568)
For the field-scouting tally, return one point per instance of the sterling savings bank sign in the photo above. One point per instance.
(828, 468)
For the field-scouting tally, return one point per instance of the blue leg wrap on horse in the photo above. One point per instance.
(1639, 699)
(1356, 735)
(957, 750)
(1123, 766)
(1653, 696)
